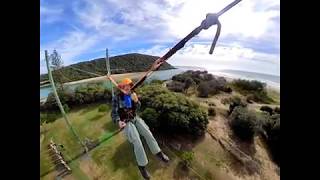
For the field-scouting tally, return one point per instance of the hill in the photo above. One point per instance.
(118, 64)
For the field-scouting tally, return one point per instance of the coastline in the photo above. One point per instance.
(135, 75)
(116, 77)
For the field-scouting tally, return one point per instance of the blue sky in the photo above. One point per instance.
(81, 30)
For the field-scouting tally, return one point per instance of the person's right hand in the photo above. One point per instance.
(157, 64)
(122, 124)
(108, 76)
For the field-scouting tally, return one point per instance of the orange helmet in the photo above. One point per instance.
(125, 81)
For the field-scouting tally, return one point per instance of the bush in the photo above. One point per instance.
(103, 108)
(254, 89)
(156, 81)
(234, 102)
(187, 158)
(150, 116)
(176, 86)
(267, 109)
(243, 123)
(171, 112)
(83, 94)
(246, 86)
(203, 90)
(261, 97)
(227, 89)
(272, 129)
(49, 117)
(66, 108)
(211, 112)
(277, 110)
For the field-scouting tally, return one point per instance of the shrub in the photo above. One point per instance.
(243, 123)
(227, 89)
(103, 108)
(261, 97)
(267, 109)
(277, 110)
(211, 112)
(246, 86)
(150, 116)
(171, 112)
(83, 94)
(66, 108)
(272, 129)
(156, 81)
(203, 90)
(176, 86)
(49, 117)
(234, 102)
(187, 158)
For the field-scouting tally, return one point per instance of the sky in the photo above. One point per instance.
(81, 30)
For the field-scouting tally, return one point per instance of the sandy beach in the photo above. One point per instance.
(136, 75)
(116, 77)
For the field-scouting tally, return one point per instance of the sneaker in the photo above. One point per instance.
(163, 157)
(144, 172)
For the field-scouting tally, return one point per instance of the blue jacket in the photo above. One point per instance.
(118, 103)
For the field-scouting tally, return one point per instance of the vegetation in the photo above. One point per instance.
(246, 124)
(187, 158)
(267, 109)
(243, 123)
(84, 94)
(206, 84)
(118, 64)
(57, 64)
(233, 102)
(272, 128)
(103, 108)
(255, 90)
(277, 110)
(171, 112)
(49, 117)
(108, 161)
(211, 111)
(176, 86)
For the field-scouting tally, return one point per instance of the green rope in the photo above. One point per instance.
(60, 104)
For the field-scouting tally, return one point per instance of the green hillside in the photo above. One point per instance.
(119, 64)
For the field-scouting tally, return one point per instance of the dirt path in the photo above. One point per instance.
(268, 171)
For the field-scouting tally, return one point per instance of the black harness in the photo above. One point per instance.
(126, 114)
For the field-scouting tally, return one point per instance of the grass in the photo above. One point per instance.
(274, 95)
(115, 157)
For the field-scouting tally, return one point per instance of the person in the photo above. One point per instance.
(125, 104)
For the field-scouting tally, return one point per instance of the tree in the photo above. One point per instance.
(57, 64)
(56, 60)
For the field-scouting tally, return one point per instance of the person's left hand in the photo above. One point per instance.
(134, 97)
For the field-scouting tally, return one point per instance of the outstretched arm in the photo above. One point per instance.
(155, 66)
(116, 84)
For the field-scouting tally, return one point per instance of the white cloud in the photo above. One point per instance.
(224, 57)
(248, 23)
(50, 15)
(71, 45)
(244, 19)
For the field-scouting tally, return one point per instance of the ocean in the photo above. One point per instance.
(270, 80)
